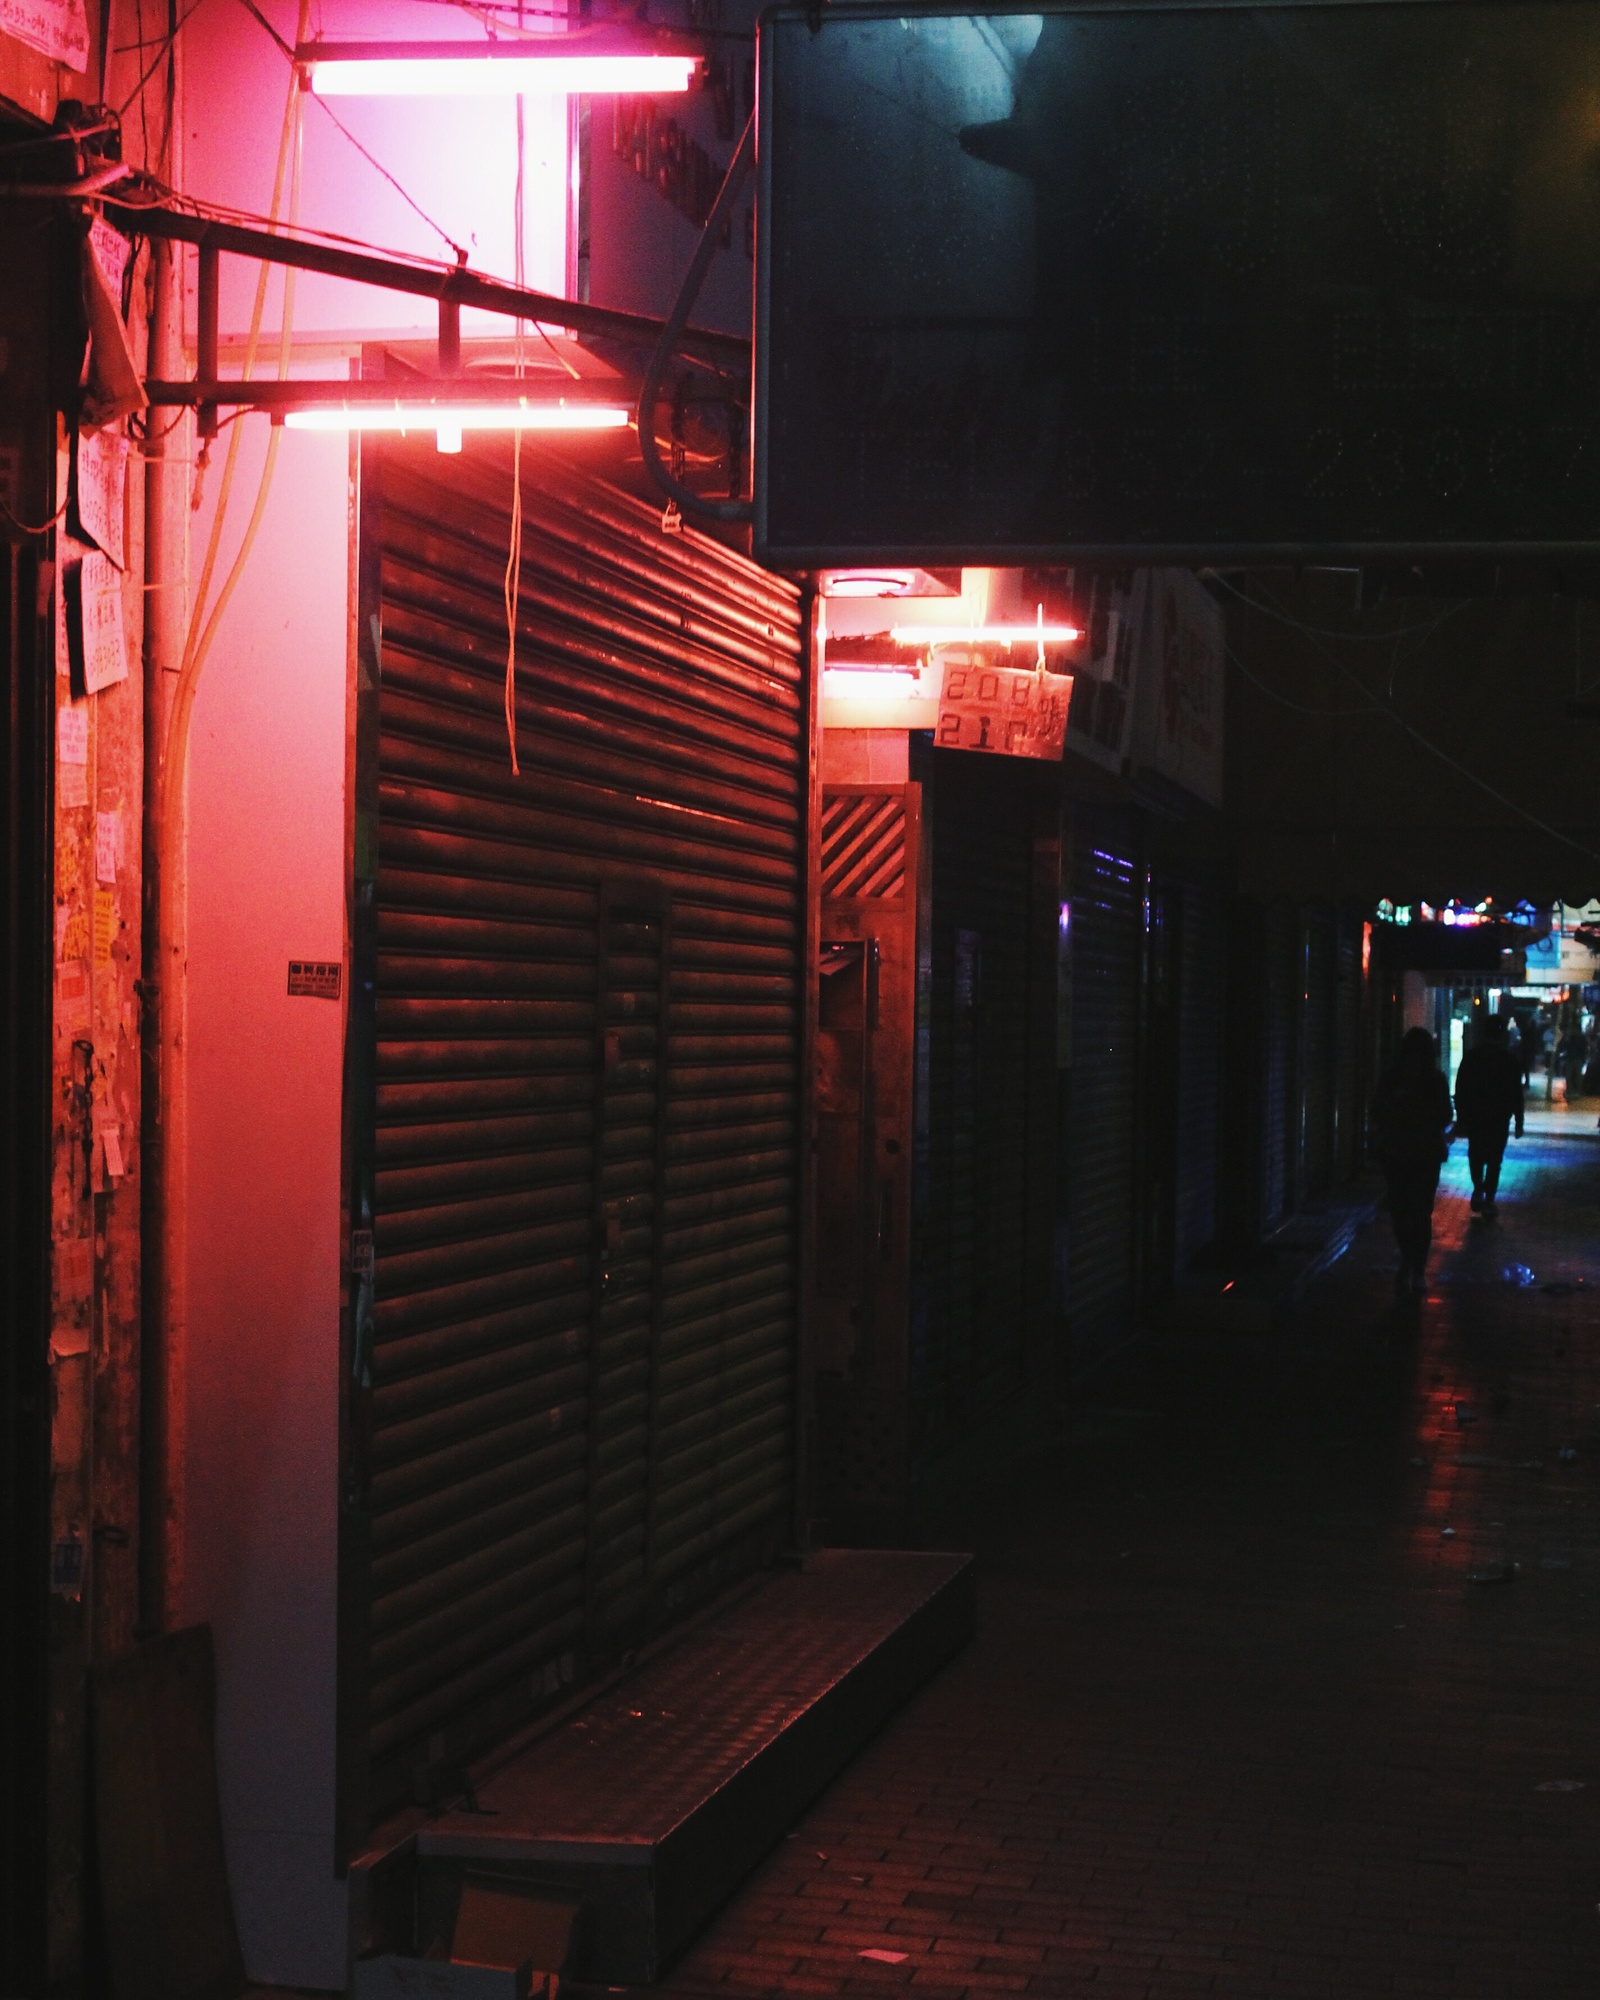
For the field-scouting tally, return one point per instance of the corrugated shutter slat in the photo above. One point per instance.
(586, 1084)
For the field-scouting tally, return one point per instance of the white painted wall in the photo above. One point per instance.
(266, 870)
(455, 158)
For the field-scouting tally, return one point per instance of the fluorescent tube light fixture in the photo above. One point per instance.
(582, 63)
(984, 635)
(449, 419)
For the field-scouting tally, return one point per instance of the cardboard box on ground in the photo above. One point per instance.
(508, 1943)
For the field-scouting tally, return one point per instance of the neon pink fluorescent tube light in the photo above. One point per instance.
(573, 65)
(984, 635)
(507, 415)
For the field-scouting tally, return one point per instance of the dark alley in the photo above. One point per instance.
(1250, 1712)
(770, 772)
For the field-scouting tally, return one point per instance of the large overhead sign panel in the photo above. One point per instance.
(1178, 283)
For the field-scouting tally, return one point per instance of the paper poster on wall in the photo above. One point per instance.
(72, 733)
(72, 755)
(72, 934)
(107, 845)
(105, 925)
(58, 29)
(58, 617)
(72, 998)
(95, 638)
(1013, 711)
(99, 484)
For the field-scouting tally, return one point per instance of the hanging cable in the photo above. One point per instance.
(513, 588)
(1386, 709)
(513, 592)
(371, 159)
(674, 489)
(200, 636)
(257, 313)
(163, 50)
(27, 527)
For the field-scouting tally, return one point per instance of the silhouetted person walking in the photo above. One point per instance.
(1488, 1098)
(1410, 1125)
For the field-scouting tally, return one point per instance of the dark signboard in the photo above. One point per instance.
(1179, 283)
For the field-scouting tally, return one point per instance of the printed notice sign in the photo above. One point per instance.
(107, 845)
(1011, 711)
(99, 482)
(63, 644)
(105, 653)
(72, 733)
(314, 978)
(58, 29)
(110, 250)
(72, 935)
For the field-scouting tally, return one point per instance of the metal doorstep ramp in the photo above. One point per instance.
(653, 1804)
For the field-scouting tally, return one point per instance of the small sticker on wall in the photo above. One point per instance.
(314, 978)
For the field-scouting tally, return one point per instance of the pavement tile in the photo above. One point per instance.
(1284, 1747)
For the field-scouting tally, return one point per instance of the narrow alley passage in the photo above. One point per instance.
(1286, 1669)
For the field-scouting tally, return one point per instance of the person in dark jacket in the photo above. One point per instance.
(1410, 1127)
(1488, 1098)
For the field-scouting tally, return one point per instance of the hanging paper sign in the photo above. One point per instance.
(58, 29)
(99, 483)
(110, 250)
(1011, 711)
(95, 638)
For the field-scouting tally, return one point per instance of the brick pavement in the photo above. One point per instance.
(1238, 1721)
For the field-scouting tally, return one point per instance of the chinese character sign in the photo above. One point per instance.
(1012, 711)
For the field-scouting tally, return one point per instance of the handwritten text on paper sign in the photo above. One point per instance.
(1013, 711)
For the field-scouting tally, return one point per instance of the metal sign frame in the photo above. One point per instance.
(775, 545)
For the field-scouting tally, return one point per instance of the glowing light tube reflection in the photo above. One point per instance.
(456, 417)
(984, 635)
(500, 75)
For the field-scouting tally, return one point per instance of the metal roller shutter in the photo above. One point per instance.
(1279, 1105)
(969, 1321)
(1347, 1101)
(1319, 1052)
(586, 1078)
(1102, 1135)
(1201, 985)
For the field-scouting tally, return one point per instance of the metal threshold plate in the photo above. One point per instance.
(656, 1801)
